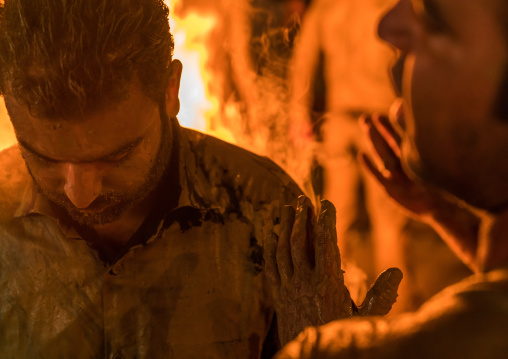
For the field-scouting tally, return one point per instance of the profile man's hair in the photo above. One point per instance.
(63, 58)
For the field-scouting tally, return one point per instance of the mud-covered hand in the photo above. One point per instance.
(303, 264)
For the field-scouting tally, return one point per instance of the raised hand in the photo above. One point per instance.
(383, 144)
(303, 269)
(456, 224)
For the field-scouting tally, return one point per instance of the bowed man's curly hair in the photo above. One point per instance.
(66, 58)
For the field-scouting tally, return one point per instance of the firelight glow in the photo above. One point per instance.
(190, 33)
(197, 104)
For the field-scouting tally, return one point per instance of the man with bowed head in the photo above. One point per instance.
(444, 158)
(123, 235)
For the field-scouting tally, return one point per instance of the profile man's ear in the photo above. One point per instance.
(172, 100)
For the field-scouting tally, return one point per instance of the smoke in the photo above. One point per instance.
(249, 57)
(246, 65)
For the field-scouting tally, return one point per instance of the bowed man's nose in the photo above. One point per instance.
(83, 184)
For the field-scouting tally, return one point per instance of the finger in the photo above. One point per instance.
(327, 252)
(283, 254)
(385, 129)
(380, 151)
(377, 145)
(383, 294)
(373, 169)
(396, 116)
(269, 256)
(393, 186)
(302, 251)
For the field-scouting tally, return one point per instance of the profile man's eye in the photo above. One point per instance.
(429, 16)
(432, 24)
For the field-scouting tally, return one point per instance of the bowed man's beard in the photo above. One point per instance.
(110, 205)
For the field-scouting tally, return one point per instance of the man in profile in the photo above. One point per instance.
(455, 115)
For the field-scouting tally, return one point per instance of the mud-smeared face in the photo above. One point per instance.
(456, 57)
(98, 166)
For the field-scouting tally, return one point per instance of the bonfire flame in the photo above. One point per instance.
(191, 34)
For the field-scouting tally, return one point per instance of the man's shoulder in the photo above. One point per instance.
(250, 176)
(478, 301)
(465, 320)
(488, 291)
(14, 178)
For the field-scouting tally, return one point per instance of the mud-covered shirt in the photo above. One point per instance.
(190, 286)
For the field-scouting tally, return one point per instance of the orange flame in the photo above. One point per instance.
(7, 137)
(198, 104)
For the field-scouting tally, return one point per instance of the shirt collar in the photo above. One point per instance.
(33, 202)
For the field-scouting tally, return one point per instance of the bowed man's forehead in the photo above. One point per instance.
(62, 58)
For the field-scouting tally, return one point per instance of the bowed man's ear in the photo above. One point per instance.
(172, 100)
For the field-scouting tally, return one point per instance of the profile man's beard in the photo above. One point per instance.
(116, 203)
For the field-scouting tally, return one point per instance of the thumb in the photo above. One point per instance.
(382, 294)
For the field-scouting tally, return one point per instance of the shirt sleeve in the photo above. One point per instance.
(465, 325)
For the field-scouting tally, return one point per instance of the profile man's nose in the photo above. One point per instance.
(83, 184)
(399, 26)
